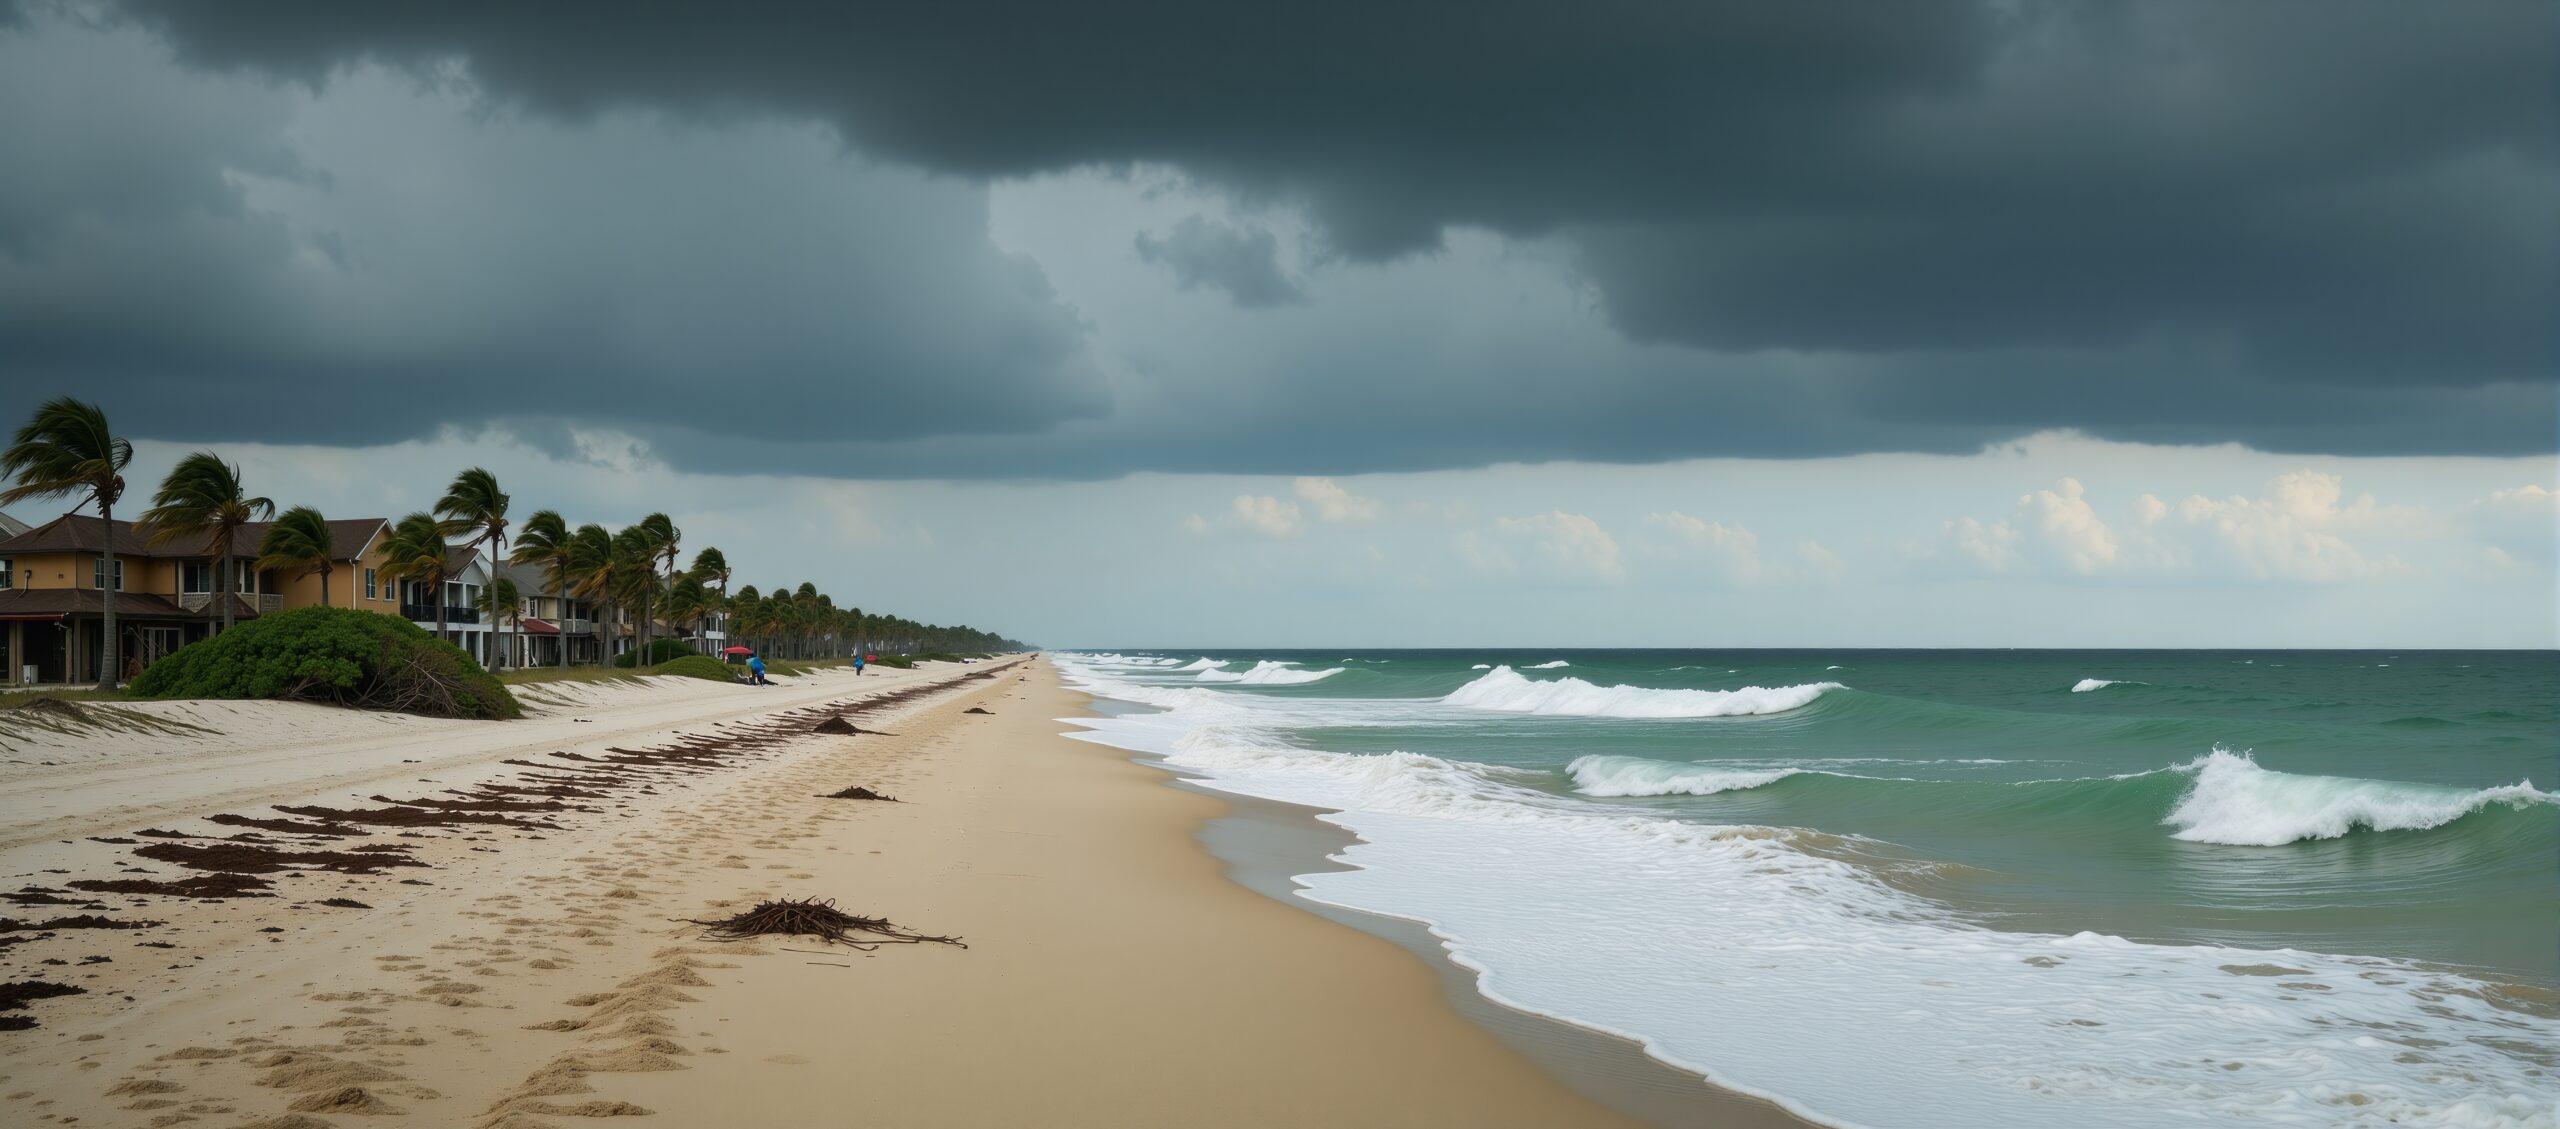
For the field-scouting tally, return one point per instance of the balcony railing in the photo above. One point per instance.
(577, 627)
(426, 613)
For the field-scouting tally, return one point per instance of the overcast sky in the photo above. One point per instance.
(1374, 324)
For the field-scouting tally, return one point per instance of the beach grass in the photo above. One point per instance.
(12, 698)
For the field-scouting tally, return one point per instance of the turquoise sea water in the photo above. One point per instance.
(2189, 813)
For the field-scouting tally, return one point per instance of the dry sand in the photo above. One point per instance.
(535, 973)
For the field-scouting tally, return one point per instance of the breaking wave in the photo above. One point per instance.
(2235, 802)
(1503, 689)
(1636, 776)
(1268, 674)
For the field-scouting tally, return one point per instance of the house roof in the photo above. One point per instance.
(531, 580)
(347, 537)
(55, 603)
(80, 533)
(11, 527)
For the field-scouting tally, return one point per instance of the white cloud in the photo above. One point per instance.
(1335, 504)
(1993, 546)
(1732, 550)
(1570, 545)
(1267, 515)
(2523, 522)
(2297, 530)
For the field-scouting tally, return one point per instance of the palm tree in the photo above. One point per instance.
(635, 571)
(300, 543)
(67, 448)
(544, 540)
(415, 551)
(474, 505)
(687, 601)
(591, 577)
(744, 607)
(499, 601)
(202, 495)
(664, 534)
(710, 567)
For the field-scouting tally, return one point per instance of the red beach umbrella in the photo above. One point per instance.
(739, 651)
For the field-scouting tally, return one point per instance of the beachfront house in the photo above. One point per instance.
(53, 598)
(466, 573)
(53, 578)
(547, 623)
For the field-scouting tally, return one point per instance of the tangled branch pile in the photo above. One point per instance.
(341, 656)
(814, 918)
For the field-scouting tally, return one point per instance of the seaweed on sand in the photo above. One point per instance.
(814, 918)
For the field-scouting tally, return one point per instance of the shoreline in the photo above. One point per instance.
(1265, 844)
(1115, 974)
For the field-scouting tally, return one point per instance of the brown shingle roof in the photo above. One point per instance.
(347, 537)
(80, 533)
(23, 602)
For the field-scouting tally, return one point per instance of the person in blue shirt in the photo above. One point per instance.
(857, 662)
(755, 671)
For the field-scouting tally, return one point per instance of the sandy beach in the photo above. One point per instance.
(531, 964)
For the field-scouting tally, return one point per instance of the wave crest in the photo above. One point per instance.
(1636, 776)
(2235, 802)
(2087, 684)
(1504, 690)
(1268, 674)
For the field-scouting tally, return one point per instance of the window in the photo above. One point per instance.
(98, 574)
(195, 576)
(8, 577)
(369, 589)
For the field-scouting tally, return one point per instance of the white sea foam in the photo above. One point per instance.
(1503, 689)
(2236, 802)
(1269, 674)
(1559, 664)
(1481, 666)
(1204, 664)
(1636, 776)
(2087, 684)
(1800, 977)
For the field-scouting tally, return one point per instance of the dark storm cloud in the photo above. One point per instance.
(2314, 225)
(1245, 264)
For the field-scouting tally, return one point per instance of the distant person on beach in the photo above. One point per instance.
(857, 662)
(755, 671)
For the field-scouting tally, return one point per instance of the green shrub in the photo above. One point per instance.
(901, 662)
(337, 655)
(697, 666)
(658, 651)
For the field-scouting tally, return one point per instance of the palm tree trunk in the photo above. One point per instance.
(440, 625)
(107, 604)
(324, 586)
(562, 599)
(222, 584)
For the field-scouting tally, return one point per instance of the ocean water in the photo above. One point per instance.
(1947, 888)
